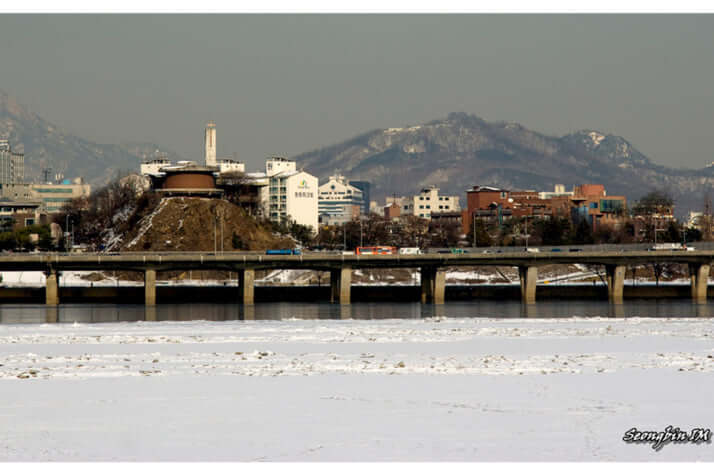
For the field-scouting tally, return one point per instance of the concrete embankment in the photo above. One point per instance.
(229, 293)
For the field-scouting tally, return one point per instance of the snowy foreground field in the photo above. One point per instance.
(394, 390)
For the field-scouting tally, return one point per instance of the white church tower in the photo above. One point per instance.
(209, 144)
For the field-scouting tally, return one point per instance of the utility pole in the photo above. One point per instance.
(707, 218)
(526, 231)
(473, 219)
(215, 234)
(66, 232)
(361, 241)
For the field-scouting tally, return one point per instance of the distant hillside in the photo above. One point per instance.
(464, 150)
(46, 145)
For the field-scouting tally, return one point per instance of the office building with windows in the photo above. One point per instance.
(339, 201)
(429, 201)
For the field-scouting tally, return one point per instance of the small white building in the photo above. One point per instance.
(154, 166)
(339, 202)
(227, 166)
(429, 201)
(276, 165)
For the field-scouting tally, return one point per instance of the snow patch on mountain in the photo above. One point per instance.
(596, 138)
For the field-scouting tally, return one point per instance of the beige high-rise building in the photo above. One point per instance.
(12, 165)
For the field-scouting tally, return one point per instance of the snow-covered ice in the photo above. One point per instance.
(439, 389)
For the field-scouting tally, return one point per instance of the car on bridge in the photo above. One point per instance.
(376, 250)
(410, 251)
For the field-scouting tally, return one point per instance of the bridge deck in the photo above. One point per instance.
(240, 260)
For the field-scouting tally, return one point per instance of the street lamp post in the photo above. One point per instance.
(361, 241)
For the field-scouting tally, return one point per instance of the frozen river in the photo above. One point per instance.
(420, 388)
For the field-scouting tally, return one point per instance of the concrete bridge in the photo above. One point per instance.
(432, 267)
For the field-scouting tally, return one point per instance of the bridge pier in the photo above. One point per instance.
(341, 285)
(246, 285)
(433, 285)
(529, 278)
(150, 287)
(51, 288)
(615, 282)
(247, 313)
(699, 274)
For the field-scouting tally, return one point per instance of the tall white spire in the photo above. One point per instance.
(209, 144)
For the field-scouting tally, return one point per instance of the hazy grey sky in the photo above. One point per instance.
(285, 84)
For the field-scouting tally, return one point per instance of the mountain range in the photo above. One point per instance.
(464, 150)
(454, 153)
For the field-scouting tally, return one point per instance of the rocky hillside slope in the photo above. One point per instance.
(464, 150)
(47, 146)
(188, 224)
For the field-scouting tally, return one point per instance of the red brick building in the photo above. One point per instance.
(587, 201)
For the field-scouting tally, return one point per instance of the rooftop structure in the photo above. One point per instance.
(187, 178)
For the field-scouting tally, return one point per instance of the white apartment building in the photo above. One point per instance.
(427, 202)
(339, 202)
(290, 194)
